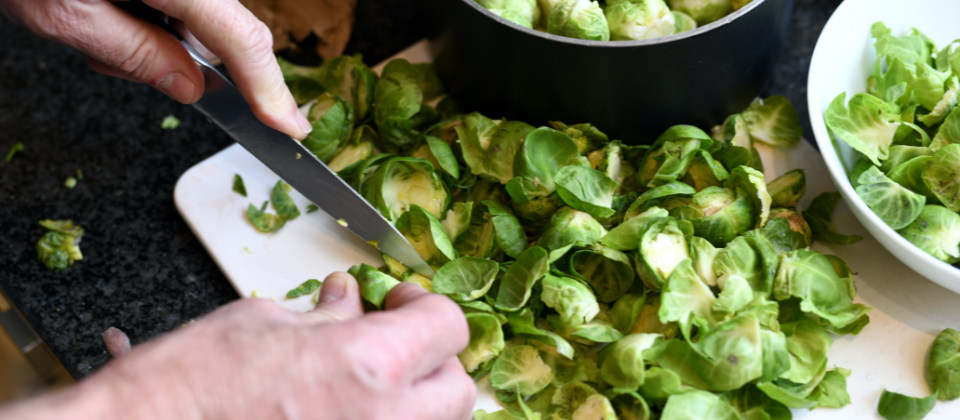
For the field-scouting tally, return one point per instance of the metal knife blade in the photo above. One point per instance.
(223, 104)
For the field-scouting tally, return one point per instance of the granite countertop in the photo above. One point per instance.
(143, 270)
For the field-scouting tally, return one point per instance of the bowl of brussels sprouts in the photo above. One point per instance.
(883, 90)
(634, 67)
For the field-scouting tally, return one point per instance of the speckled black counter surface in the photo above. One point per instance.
(143, 270)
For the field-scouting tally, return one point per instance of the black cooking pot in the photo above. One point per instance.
(632, 90)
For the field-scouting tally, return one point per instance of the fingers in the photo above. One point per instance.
(339, 299)
(128, 45)
(117, 342)
(245, 45)
(446, 394)
(422, 329)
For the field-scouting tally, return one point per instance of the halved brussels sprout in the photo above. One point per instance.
(581, 19)
(787, 230)
(586, 190)
(374, 285)
(702, 11)
(402, 182)
(718, 214)
(687, 300)
(683, 22)
(735, 144)
(538, 210)
(543, 153)
(654, 197)
(622, 364)
(587, 137)
(489, 146)
(811, 276)
(633, 20)
(937, 232)
(671, 155)
(570, 227)
(486, 341)
(332, 120)
(358, 149)
(751, 180)
(522, 324)
(398, 97)
(662, 247)
(752, 258)
(703, 253)
(573, 300)
(457, 220)
(523, 12)
(626, 236)
(787, 189)
(426, 235)
(705, 172)
(773, 121)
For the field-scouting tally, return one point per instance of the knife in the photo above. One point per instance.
(223, 104)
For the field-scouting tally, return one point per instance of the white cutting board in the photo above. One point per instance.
(889, 353)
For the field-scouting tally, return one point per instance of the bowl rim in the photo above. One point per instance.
(726, 20)
(828, 150)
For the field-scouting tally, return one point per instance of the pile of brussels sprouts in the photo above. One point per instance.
(907, 128)
(612, 20)
(598, 279)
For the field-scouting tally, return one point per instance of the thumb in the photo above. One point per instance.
(339, 299)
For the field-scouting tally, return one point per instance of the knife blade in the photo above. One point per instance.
(223, 104)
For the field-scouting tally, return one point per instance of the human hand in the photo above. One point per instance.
(118, 44)
(252, 359)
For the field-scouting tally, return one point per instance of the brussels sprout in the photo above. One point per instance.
(942, 369)
(788, 189)
(358, 149)
(653, 197)
(543, 153)
(946, 103)
(332, 120)
(489, 146)
(587, 137)
(868, 125)
(663, 246)
(683, 22)
(374, 285)
(949, 131)
(465, 278)
(726, 357)
(641, 19)
(607, 270)
(426, 235)
(398, 96)
(574, 301)
(479, 238)
(820, 218)
(400, 182)
(700, 405)
(522, 324)
(718, 214)
(538, 210)
(936, 232)
(686, 299)
(523, 12)
(942, 176)
(486, 341)
(530, 267)
(520, 368)
(626, 236)
(570, 227)
(671, 155)
(629, 405)
(895, 406)
(895, 205)
(735, 146)
(705, 172)
(581, 19)
(703, 253)
(570, 397)
(752, 258)
(60, 247)
(754, 185)
(773, 121)
(303, 82)
(808, 345)
(546, 7)
(361, 172)
(810, 276)
(621, 363)
(787, 231)
(586, 190)
(457, 220)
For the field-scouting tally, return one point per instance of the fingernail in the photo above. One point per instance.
(302, 121)
(178, 87)
(334, 288)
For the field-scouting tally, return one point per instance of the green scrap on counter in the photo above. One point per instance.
(16, 148)
(305, 288)
(312, 208)
(894, 406)
(238, 186)
(169, 123)
(60, 246)
(282, 203)
(678, 259)
(70, 183)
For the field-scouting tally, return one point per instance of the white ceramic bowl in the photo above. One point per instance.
(841, 62)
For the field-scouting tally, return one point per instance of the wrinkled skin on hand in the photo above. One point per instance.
(118, 44)
(253, 359)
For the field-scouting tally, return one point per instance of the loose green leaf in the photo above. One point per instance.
(486, 341)
(820, 218)
(169, 123)
(943, 369)
(17, 147)
(867, 124)
(773, 121)
(374, 285)
(937, 232)
(282, 203)
(510, 235)
(305, 288)
(238, 186)
(586, 190)
(521, 368)
(515, 286)
(465, 278)
(895, 205)
(894, 406)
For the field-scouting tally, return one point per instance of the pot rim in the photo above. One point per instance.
(726, 20)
